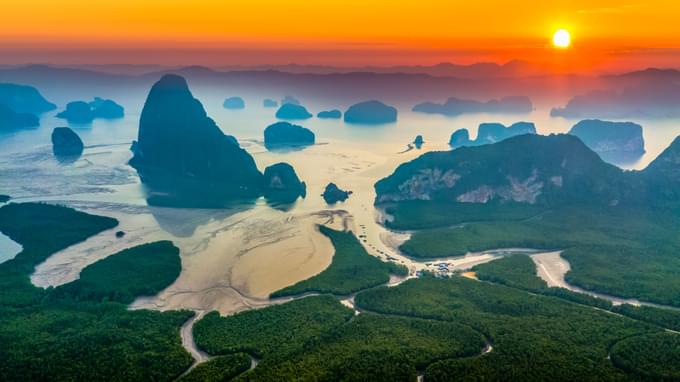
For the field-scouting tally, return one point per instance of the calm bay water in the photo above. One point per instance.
(233, 259)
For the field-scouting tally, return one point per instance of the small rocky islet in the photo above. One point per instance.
(292, 111)
(333, 194)
(370, 113)
(234, 103)
(85, 112)
(66, 143)
(329, 114)
(286, 135)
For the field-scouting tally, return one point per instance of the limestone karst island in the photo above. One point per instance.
(348, 191)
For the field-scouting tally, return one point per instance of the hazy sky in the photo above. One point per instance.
(606, 34)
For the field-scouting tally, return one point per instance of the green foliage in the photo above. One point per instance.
(316, 338)
(422, 214)
(275, 329)
(373, 348)
(144, 270)
(665, 318)
(351, 270)
(648, 274)
(555, 229)
(446, 175)
(219, 369)
(654, 357)
(91, 342)
(41, 229)
(48, 337)
(534, 338)
(519, 271)
(620, 251)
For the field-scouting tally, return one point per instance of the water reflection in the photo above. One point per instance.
(183, 222)
(8, 248)
(66, 159)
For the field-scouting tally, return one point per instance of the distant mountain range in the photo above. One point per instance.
(403, 86)
(515, 68)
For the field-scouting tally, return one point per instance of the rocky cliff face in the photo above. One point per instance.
(524, 169)
(179, 148)
(422, 185)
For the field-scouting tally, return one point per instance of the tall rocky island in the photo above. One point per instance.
(184, 157)
(490, 133)
(613, 141)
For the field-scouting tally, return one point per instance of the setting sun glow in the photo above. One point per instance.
(561, 38)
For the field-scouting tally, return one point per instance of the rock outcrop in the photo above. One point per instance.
(77, 112)
(24, 99)
(614, 141)
(270, 103)
(418, 142)
(11, 120)
(234, 103)
(292, 111)
(66, 143)
(284, 134)
(86, 112)
(456, 106)
(528, 168)
(333, 194)
(106, 109)
(370, 113)
(491, 133)
(329, 114)
(281, 184)
(182, 152)
(460, 137)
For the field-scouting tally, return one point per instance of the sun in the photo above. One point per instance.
(561, 38)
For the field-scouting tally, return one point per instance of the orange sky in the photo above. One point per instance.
(606, 34)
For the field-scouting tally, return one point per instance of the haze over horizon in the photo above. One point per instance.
(607, 36)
